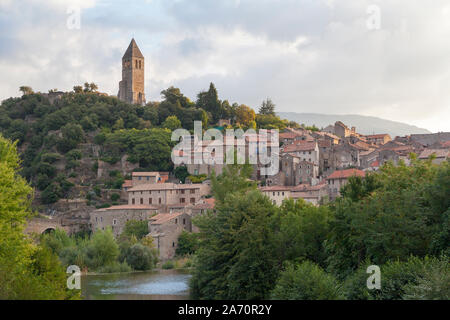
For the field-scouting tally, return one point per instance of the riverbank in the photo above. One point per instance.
(158, 284)
(135, 271)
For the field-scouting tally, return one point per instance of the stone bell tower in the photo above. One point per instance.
(131, 88)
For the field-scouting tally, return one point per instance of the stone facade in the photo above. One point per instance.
(138, 178)
(165, 228)
(117, 216)
(131, 88)
(378, 139)
(164, 195)
(277, 194)
(339, 178)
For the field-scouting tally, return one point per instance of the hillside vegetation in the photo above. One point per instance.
(81, 142)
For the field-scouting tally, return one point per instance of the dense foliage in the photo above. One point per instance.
(101, 252)
(27, 271)
(397, 218)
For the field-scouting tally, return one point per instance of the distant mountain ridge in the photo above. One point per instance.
(363, 124)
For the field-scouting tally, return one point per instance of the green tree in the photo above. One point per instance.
(236, 258)
(136, 228)
(26, 90)
(302, 231)
(78, 89)
(388, 218)
(141, 257)
(188, 243)
(103, 249)
(27, 271)
(244, 115)
(414, 278)
(171, 123)
(306, 281)
(267, 107)
(181, 173)
(209, 101)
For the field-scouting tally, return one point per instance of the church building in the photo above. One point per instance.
(131, 88)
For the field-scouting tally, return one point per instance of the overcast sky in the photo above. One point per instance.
(320, 56)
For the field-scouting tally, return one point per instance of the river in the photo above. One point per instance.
(151, 285)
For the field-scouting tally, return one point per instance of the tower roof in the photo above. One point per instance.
(133, 51)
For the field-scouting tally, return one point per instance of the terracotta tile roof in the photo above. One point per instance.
(129, 207)
(165, 186)
(300, 146)
(205, 204)
(377, 136)
(275, 188)
(375, 164)
(361, 145)
(344, 174)
(289, 135)
(446, 144)
(164, 217)
(324, 143)
(440, 153)
(127, 184)
(145, 174)
(331, 135)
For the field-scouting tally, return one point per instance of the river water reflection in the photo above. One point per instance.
(152, 285)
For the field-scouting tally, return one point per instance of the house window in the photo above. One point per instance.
(150, 201)
(176, 221)
(182, 191)
(148, 178)
(282, 193)
(192, 191)
(182, 200)
(173, 244)
(95, 219)
(114, 222)
(159, 200)
(142, 201)
(192, 200)
(274, 194)
(136, 64)
(184, 221)
(101, 219)
(132, 201)
(140, 65)
(139, 178)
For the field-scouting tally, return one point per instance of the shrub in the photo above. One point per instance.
(169, 264)
(115, 197)
(115, 267)
(51, 194)
(306, 281)
(197, 179)
(47, 169)
(413, 278)
(433, 284)
(102, 249)
(141, 257)
(104, 205)
(74, 155)
(51, 157)
(43, 181)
